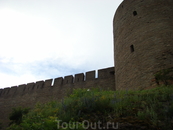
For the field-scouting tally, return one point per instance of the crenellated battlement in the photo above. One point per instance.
(70, 80)
(29, 94)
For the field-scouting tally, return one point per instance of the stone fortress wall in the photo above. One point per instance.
(27, 95)
(143, 45)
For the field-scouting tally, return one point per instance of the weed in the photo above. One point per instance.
(153, 107)
(16, 114)
(164, 76)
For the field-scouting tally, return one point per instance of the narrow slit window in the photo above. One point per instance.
(134, 13)
(132, 48)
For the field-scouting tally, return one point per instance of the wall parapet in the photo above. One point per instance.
(22, 89)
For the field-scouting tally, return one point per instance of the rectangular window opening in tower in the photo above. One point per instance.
(134, 13)
(132, 48)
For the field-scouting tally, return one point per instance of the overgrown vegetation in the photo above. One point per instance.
(144, 109)
(164, 76)
(16, 115)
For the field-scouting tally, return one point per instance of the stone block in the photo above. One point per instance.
(79, 78)
(90, 75)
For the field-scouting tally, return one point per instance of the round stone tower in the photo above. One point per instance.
(143, 41)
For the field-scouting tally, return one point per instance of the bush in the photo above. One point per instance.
(151, 108)
(164, 76)
(16, 114)
(83, 102)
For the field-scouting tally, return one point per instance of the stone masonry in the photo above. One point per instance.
(143, 45)
(27, 95)
(143, 41)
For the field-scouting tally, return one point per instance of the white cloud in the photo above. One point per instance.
(48, 39)
(11, 80)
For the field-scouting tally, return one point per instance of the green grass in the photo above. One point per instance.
(147, 109)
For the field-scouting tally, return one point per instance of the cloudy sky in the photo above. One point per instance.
(43, 39)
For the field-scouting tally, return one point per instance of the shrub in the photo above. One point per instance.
(152, 108)
(164, 76)
(17, 113)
